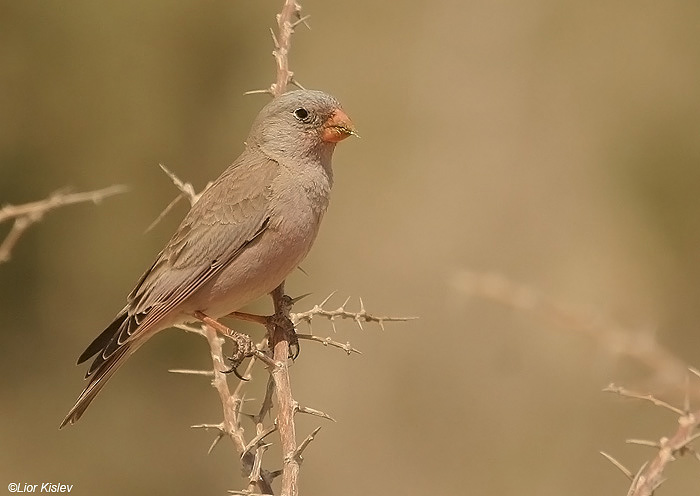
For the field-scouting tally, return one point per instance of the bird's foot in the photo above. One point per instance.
(244, 348)
(275, 324)
(280, 328)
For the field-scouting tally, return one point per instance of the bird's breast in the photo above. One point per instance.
(294, 221)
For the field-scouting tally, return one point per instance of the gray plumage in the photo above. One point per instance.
(246, 233)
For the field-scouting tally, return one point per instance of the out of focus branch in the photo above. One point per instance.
(650, 476)
(30, 213)
(665, 367)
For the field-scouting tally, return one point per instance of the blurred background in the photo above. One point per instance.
(556, 143)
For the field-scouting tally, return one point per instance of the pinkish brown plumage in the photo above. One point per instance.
(246, 233)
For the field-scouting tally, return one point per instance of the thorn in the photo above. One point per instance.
(274, 38)
(334, 292)
(207, 373)
(266, 359)
(617, 464)
(219, 427)
(164, 212)
(304, 444)
(216, 440)
(643, 442)
(296, 83)
(298, 298)
(219, 435)
(246, 492)
(360, 315)
(694, 371)
(691, 439)
(258, 438)
(302, 20)
(695, 454)
(635, 479)
(258, 92)
(249, 416)
(342, 307)
(312, 411)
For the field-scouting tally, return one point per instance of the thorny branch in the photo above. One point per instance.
(650, 476)
(278, 340)
(278, 337)
(232, 403)
(280, 328)
(30, 213)
(341, 312)
(251, 450)
(288, 19)
(666, 368)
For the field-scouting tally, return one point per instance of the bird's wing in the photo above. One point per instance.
(231, 214)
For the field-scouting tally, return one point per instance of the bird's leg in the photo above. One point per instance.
(279, 319)
(250, 317)
(245, 348)
(269, 322)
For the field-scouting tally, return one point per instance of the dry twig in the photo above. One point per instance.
(30, 213)
(650, 476)
(665, 367)
(641, 346)
(283, 391)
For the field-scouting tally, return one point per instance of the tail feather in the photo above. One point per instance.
(112, 349)
(101, 341)
(97, 382)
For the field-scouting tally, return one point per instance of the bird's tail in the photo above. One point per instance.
(112, 349)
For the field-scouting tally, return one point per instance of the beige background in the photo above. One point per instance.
(554, 142)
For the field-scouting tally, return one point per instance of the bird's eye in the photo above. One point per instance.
(301, 114)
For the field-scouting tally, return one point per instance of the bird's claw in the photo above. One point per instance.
(244, 348)
(234, 369)
(294, 348)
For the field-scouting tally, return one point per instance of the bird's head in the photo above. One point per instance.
(302, 123)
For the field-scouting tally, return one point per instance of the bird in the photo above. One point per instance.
(249, 229)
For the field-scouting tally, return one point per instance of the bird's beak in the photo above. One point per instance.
(337, 127)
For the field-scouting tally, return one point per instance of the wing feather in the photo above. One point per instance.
(232, 213)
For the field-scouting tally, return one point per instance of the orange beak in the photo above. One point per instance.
(337, 127)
